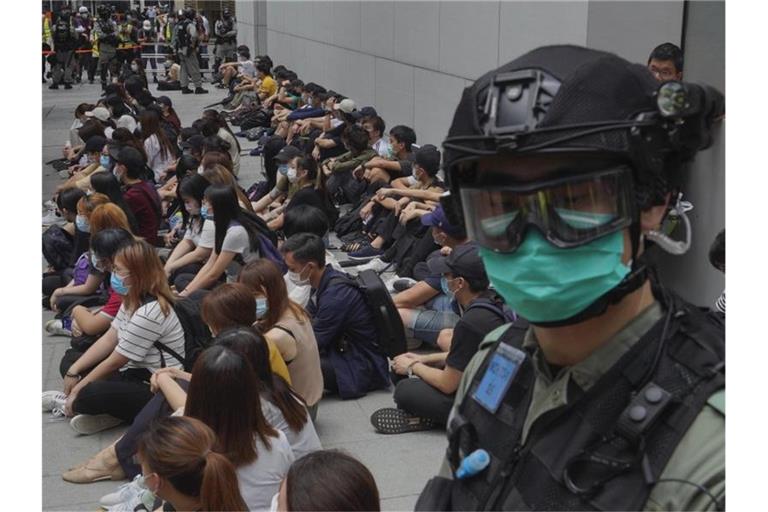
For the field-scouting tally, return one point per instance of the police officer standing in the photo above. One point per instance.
(565, 163)
(83, 27)
(64, 44)
(105, 41)
(225, 32)
(187, 50)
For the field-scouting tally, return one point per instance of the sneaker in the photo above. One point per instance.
(87, 424)
(54, 86)
(400, 285)
(50, 204)
(144, 500)
(53, 400)
(256, 152)
(67, 86)
(200, 90)
(366, 252)
(396, 421)
(90, 82)
(64, 174)
(376, 264)
(126, 492)
(186, 90)
(56, 327)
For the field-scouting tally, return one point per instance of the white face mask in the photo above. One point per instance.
(134, 67)
(292, 175)
(295, 278)
(200, 169)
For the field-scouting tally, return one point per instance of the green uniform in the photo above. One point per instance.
(700, 456)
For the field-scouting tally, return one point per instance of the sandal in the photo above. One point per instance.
(396, 421)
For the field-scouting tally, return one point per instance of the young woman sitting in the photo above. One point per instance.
(121, 362)
(105, 183)
(286, 325)
(161, 152)
(181, 465)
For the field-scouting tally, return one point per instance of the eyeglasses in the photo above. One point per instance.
(569, 211)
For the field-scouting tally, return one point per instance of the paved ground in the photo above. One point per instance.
(401, 464)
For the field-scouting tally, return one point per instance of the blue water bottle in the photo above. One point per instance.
(473, 464)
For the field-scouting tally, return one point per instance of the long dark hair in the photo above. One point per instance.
(191, 186)
(264, 276)
(227, 210)
(218, 120)
(224, 394)
(150, 125)
(253, 346)
(107, 184)
(186, 165)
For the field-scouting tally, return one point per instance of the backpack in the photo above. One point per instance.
(57, 247)
(389, 325)
(81, 270)
(197, 336)
(495, 306)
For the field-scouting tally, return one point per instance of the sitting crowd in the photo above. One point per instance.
(212, 315)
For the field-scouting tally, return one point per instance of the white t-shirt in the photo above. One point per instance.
(233, 152)
(136, 335)
(207, 235)
(155, 159)
(303, 442)
(193, 234)
(236, 240)
(260, 480)
(381, 147)
(247, 68)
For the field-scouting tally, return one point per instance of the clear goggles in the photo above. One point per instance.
(568, 211)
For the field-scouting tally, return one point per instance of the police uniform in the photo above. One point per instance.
(225, 31)
(64, 44)
(105, 46)
(186, 47)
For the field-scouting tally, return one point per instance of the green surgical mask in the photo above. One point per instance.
(544, 283)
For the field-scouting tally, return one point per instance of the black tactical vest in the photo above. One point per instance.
(607, 447)
(62, 36)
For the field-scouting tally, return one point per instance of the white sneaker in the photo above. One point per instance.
(126, 492)
(376, 264)
(52, 218)
(64, 174)
(50, 204)
(142, 500)
(87, 424)
(53, 400)
(55, 327)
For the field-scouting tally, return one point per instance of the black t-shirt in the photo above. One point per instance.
(469, 331)
(308, 196)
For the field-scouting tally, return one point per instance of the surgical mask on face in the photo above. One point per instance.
(205, 214)
(82, 224)
(116, 173)
(117, 284)
(282, 169)
(296, 279)
(544, 283)
(444, 286)
(261, 307)
(104, 161)
(291, 174)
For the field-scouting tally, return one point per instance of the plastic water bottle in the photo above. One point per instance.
(473, 464)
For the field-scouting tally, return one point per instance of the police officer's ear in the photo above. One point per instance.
(651, 218)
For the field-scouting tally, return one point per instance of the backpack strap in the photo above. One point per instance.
(161, 347)
(493, 306)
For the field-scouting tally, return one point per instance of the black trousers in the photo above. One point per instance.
(329, 375)
(420, 399)
(122, 395)
(187, 270)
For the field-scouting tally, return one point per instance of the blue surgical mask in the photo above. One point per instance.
(544, 283)
(104, 161)
(446, 289)
(82, 224)
(204, 213)
(261, 307)
(117, 284)
(283, 169)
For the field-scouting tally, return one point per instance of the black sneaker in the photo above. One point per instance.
(200, 90)
(54, 86)
(186, 90)
(90, 82)
(396, 421)
(67, 86)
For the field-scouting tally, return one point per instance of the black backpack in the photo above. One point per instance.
(495, 306)
(389, 325)
(197, 336)
(57, 247)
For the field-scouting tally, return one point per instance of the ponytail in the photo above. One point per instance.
(289, 402)
(219, 489)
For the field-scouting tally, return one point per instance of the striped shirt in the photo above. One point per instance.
(136, 335)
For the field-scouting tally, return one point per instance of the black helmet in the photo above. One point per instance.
(575, 99)
(226, 12)
(104, 10)
(189, 13)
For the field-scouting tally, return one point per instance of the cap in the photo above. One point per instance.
(368, 112)
(464, 261)
(100, 113)
(164, 100)
(194, 142)
(347, 106)
(438, 219)
(428, 158)
(127, 122)
(83, 9)
(129, 157)
(288, 153)
(95, 143)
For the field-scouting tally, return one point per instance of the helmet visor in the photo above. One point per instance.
(569, 211)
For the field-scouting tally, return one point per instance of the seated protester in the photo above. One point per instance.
(401, 140)
(106, 183)
(282, 186)
(122, 137)
(215, 170)
(85, 286)
(237, 239)
(186, 165)
(181, 463)
(80, 118)
(104, 245)
(266, 83)
(307, 219)
(128, 122)
(66, 204)
(287, 98)
(171, 80)
(169, 115)
(91, 128)
(302, 174)
(224, 394)
(92, 151)
(312, 106)
(328, 144)
(188, 256)
(380, 214)
(223, 131)
(327, 480)
(375, 127)
(425, 402)
(121, 361)
(118, 107)
(243, 67)
(161, 152)
(350, 357)
(215, 144)
(139, 194)
(286, 325)
(341, 183)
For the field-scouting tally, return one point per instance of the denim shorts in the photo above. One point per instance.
(427, 323)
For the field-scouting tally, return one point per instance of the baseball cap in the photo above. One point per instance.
(95, 143)
(129, 157)
(347, 106)
(287, 153)
(126, 121)
(438, 219)
(100, 113)
(368, 112)
(194, 142)
(464, 261)
(428, 158)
